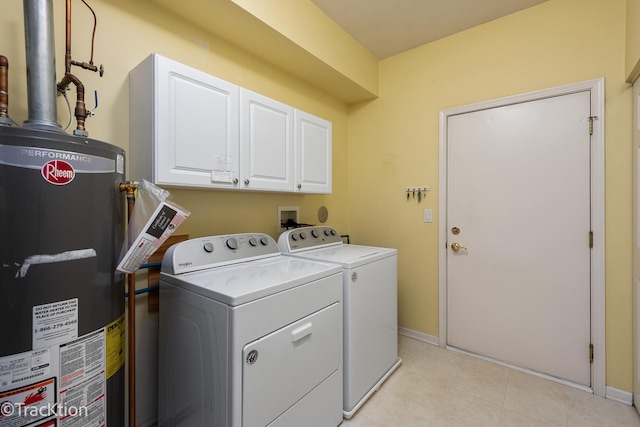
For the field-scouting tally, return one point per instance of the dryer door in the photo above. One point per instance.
(282, 367)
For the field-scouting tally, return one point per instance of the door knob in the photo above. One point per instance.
(455, 247)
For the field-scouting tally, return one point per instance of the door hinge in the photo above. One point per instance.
(590, 353)
(591, 239)
(591, 119)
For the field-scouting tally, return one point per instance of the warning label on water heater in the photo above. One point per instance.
(55, 323)
(25, 367)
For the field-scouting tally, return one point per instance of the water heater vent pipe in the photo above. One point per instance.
(41, 65)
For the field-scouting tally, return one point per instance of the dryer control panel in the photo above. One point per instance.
(308, 237)
(215, 251)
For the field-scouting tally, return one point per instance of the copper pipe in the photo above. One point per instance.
(4, 87)
(80, 111)
(68, 62)
(130, 188)
(67, 55)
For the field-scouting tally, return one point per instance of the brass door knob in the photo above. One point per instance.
(455, 247)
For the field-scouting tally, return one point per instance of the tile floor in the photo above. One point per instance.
(434, 387)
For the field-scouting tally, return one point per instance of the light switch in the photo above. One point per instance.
(428, 215)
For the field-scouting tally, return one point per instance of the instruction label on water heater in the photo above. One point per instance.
(55, 323)
(83, 379)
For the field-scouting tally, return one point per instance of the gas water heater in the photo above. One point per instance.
(61, 231)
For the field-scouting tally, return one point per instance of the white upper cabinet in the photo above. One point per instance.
(313, 154)
(183, 127)
(266, 143)
(191, 129)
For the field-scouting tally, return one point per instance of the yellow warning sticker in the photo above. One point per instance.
(115, 346)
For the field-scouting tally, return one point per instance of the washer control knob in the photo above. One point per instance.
(303, 236)
(294, 237)
(232, 243)
(264, 241)
(333, 232)
(208, 247)
(326, 232)
(315, 233)
(253, 241)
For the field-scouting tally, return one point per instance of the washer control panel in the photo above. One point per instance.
(308, 237)
(215, 251)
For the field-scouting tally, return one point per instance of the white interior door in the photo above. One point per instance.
(518, 191)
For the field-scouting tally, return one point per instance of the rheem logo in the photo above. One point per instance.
(58, 172)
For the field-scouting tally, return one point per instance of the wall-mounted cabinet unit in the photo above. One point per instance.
(191, 129)
(183, 126)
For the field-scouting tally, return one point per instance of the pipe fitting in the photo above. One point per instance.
(80, 110)
(130, 188)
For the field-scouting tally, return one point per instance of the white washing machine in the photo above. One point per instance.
(370, 302)
(248, 337)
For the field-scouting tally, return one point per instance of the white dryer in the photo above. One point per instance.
(370, 302)
(248, 337)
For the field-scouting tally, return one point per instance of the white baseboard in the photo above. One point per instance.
(420, 336)
(620, 396)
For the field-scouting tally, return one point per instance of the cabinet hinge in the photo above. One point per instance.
(590, 353)
(591, 119)
(591, 239)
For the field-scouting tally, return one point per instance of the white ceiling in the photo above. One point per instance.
(388, 27)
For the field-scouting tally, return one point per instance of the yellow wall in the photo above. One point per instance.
(632, 48)
(393, 142)
(127, 32)
(302, 21)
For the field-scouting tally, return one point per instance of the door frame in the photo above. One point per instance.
(596, 87)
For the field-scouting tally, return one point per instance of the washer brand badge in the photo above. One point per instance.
(58, 172)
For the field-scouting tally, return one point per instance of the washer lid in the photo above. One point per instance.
(349, 256)
(240, 283)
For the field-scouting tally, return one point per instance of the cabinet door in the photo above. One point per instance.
(266, 143)
(313, 154)
(196, 125)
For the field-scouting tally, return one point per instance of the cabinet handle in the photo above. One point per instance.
(299, 186)
(246, 182)
(235, 180)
